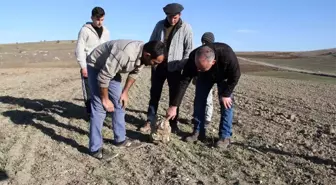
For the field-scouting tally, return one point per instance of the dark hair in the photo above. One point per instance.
(98, 12)
(155, 48)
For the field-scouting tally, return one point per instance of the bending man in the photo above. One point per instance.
(105, 64)
(212, 63)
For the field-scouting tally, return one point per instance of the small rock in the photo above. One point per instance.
(302, 131)
(292, 117)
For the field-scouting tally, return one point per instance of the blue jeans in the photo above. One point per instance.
(203, 88)
(98, 112)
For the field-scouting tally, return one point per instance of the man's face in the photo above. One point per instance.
(203, 64)
(97, 21)
(173, 19)
(148, 60)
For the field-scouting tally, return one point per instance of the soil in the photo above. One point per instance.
(284, 132)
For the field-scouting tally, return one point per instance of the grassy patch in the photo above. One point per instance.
(296, 76)
(320, 63)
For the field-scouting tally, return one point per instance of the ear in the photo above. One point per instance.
(213, 62)
(147, 54)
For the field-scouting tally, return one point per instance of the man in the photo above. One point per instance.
(207, 38)
(105, 64)
(90, 36)
(212, 63)
(178, 38)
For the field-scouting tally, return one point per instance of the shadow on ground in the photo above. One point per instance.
(3, 175)
(63, 108)
(265, 150)
(44, 110)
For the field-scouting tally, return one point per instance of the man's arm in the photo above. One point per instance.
(233, 71)
(112, 66)
(189, 72)
(80, 48)
(188, 42)
(187, 46)
(154, 33)
(132, 76)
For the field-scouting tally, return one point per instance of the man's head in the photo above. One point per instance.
(205, 58)
(207, 38)
(97, 16)
(173, 12)
(153, 53)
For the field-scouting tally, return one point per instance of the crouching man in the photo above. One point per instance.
(105, 64)
(212, 63)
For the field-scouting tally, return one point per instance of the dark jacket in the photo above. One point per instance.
(225, 71)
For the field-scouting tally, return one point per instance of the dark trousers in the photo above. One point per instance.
(159, 75)
(86, 93)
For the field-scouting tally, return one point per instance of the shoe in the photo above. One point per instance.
(207, 123)
(192, 137)
(223, 143)
(175, 130)
(103, 154)
(146, 127)
(196, 136)
(126, 143)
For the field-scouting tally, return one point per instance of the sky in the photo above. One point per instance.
(246, 25)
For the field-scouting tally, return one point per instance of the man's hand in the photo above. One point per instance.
(171, 112)
(108, 105)
(124, 99)
(227, 101)
(84, 72)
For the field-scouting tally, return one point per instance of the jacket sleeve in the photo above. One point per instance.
(187, 46)
(188, 42)
(135, 73)
(189, 72)
(233, 71)
(80, 48)
(112, 66)
(154, 35)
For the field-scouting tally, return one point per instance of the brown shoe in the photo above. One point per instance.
(146, 127)
(223, 143)
(192, 137)
(127, 143)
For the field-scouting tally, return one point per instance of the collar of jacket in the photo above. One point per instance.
(138, 60)
(178, 24)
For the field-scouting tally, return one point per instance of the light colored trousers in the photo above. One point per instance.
(209, 104)
(209, 107)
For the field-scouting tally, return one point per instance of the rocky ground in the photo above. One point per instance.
(284, 133)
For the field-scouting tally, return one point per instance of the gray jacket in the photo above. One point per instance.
(180, 47)
(116, 56)
(87, 40)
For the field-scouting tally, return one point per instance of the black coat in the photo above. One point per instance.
(225, 71)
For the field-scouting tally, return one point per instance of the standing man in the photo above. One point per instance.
(105, 64)
(90, 36)
(207, 38)
(212, 63)
(178, 38)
